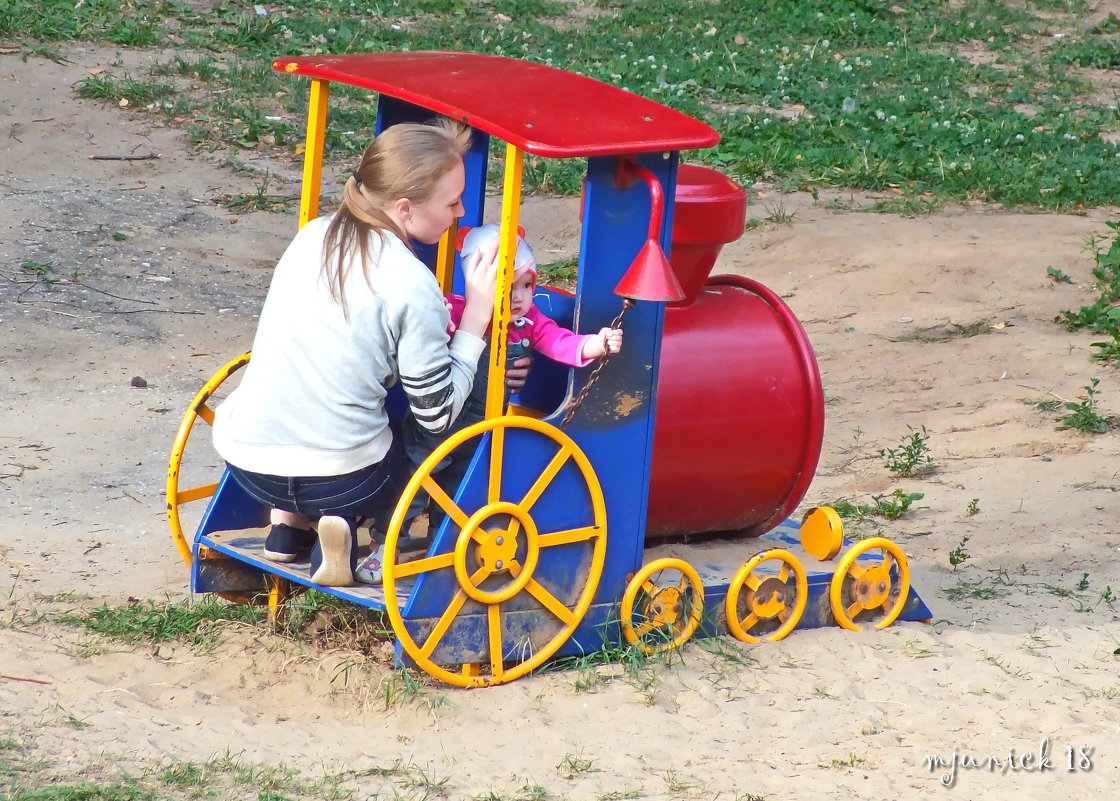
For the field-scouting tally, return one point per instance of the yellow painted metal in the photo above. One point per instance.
(478, 548)
(869, 588)
(445, 258)
(278, 592)
(313, 150)
(767, 597)
(496, 551)
(662, 609)
(507, 250)
(822, 532)
(177, 497)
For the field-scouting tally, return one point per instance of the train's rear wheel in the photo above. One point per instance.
(497, 556)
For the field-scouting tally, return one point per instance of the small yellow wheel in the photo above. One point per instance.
(771, 602)
(856, 589)
(658, 617)
(497, 559)
(178, 497)
(822, 532)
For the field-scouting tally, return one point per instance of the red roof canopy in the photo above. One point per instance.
(540, 109)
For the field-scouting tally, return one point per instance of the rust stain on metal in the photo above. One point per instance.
(625, 404)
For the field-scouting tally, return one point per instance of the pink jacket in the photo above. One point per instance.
(544, 335)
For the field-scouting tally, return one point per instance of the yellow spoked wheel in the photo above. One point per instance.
(660, 616)
(772, 605)
(497, 560)
(177, 497)
(856, 589)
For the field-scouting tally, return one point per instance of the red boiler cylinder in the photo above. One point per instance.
(740, 414)
(740, 410)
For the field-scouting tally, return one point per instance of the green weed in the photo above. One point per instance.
(1085, 415)
(1057, 276)
(851, 761)
(912, 457)
(260, 200)
(778, 214)
(980, 590)
(573, 765)
(958, 556)
(973, 507)
(1047, 405)
(890, 507)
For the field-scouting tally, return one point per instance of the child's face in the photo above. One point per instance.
(521, 297)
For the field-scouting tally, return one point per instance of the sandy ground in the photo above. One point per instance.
(160, 282)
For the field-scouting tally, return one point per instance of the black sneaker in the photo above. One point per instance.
(285, 543)
(335, 554)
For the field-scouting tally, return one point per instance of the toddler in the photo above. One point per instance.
(529, 329)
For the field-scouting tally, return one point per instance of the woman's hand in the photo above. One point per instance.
(480, 273)
(517, 372)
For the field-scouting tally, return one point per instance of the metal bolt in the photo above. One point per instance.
(498, 564)
(499, 540)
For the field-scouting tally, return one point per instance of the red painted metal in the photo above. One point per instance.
(740, 414)
(650, 277)
(537, 108)
(710, 211)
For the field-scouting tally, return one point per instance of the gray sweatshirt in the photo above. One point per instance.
(312, 399)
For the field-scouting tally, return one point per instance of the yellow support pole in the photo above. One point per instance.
(313, 150)
(507, 250)
(445, 257)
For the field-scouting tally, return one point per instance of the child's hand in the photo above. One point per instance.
(608, 340)
(450, 323)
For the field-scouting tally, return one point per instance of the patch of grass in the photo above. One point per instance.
(1001, 663)
(838, 95)
(980, 590)
(260, 200)
(128, 91)
(1047, 405)
(625, 663)
(561, 274)
(912, 457)
(401, 687)
(907, 206)
(151, 622)
(573, 765)
(850, 761)
(778, 214)
(973, 507)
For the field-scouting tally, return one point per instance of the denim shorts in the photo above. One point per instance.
(369, 492)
